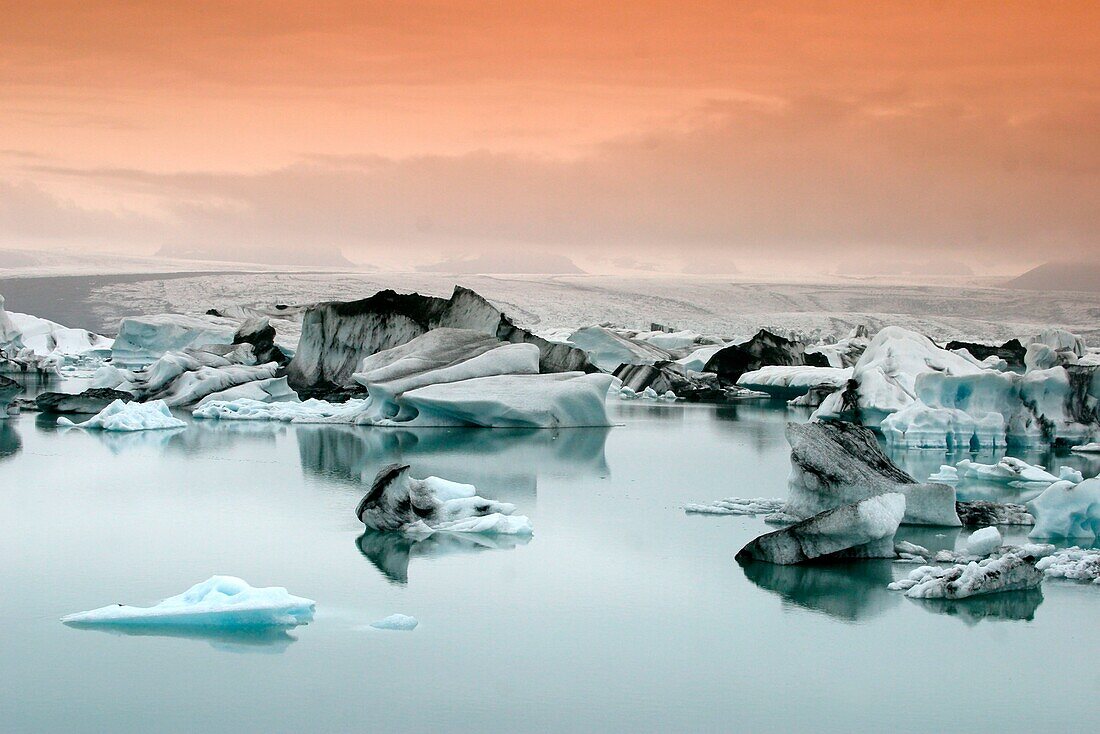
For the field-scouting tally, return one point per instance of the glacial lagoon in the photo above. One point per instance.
(622, 613)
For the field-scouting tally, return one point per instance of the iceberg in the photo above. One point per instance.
(1007, 470)
(607, 349)
(221, 601)
(267, 390)
(1078, 564)
(834, 463)
(995, 409)
(396, 622)
(1010, 572)
(248, 409)
(863, 529)
(885, 376)
(1086, 448)
(1067, 510)
(763, 350)
(667, 380)
(397, 502)
(89, 401)
(337, 336)
(982, 512)
(737, 506)
(142, 340)
(984, 541)
(130, 416)
(845, 352)
(791, 382)
(565, 399)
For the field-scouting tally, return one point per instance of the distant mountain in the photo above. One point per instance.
(1060, 276)
(505, 262)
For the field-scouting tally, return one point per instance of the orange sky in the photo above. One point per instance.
(732, 131)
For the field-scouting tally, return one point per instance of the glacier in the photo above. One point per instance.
(221, 601)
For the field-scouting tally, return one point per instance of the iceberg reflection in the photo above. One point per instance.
(267, 641)
(391, 552)
(848, 591)
(499, 462)
(1005, 606)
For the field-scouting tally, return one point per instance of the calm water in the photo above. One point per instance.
(621, 614)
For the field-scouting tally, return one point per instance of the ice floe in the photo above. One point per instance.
(220, 601)
(130, 416)
(1078, 564)
(400, 503)
(1010, 572)
(402, 622)
(737, 506)
(1087, 448)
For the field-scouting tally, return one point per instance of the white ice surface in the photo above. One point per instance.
(1009, 572)
(225, 602)
(1076, 563)
(1067, 510)
(984, 541)
(396, 622)
(131, 416)
(737, 506)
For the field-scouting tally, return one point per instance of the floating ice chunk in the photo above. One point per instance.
(984, 541)
(737, 506)
(398, 502)
(1006, 471)
(1087, 448)
(132, 416)
(269, 390)
(220, 601)
(1010, 572)
(946, 475)
(510, 401)
(396, 622)
(1067, 510)
(144, 339)
(834, 463)
(1079, 564)
(982, 512)
(247, 409)
(864, 529)
(697, 360)
(608, 349)
(791, 382)
(1069, 474)
(887, 372)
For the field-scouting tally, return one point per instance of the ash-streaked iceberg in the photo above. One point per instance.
(397, 502)
(787, 382)
(1010, 572)
(834, 463)
(225, 602)
(130, 416)
(863, 529)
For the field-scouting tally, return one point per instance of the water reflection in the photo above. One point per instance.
(267, 641)
(501, 463)
(848, 591)
(10, 441)
(391, 552)
(1005, 606)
